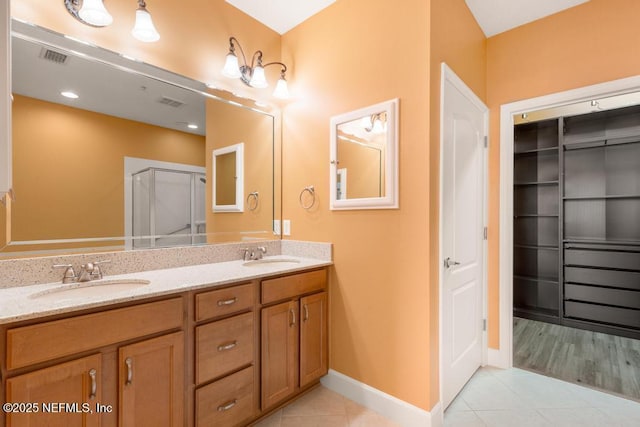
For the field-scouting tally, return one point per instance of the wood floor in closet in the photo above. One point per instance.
(606, 362)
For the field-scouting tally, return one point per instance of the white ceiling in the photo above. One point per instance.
(493, 16)
(281, 15)
(497, 16)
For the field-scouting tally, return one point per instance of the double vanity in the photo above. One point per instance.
(218, 344)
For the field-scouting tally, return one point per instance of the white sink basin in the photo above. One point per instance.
(267, 261)
(89, 289)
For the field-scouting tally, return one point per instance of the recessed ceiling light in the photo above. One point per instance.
(69, 94)
(192, 126)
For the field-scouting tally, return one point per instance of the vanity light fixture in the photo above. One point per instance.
(93, 13)
(253, 75)
(376, 123)
(144, 30)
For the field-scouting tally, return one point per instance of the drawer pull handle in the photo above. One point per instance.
(225, 347)
(293, 317)
(129, 364)
(227, 406)
(222, 303)
(94, 384)
(306, 312)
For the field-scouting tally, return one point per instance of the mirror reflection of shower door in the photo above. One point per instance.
(168, 208)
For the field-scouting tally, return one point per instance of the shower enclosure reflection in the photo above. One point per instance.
(168, 208)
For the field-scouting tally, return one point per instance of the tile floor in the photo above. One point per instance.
(514, 397)
(492, 398)
(324, 408)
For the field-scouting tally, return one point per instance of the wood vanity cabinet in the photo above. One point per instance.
(225, 352)
(129, 376)
(294, 334)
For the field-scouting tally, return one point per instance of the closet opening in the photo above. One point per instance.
(576, 242)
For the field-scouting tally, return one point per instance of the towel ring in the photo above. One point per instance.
(252, 201)
(312, 192)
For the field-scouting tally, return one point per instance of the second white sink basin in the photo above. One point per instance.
(264, 261)
(89, 289)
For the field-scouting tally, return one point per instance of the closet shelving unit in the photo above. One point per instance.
(588, 256)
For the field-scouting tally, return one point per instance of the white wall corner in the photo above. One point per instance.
(498, 358)
(398, 411)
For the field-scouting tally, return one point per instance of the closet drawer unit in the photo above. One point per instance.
(224, 346)
(286, 287)
(608, 278)
(605, 259)
(618, 297)
(28, 345)
(227, 402)
(625, 317)
(222, 302)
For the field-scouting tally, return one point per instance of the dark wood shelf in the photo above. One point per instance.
(537, 279)
(543, 247)
(619, 197)
(589, 143)
(536, 151)
(536, 183)
(537, 216)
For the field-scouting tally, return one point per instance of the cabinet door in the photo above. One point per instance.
(279, 352)
(313, 338)
(60, 393)
(151, 382)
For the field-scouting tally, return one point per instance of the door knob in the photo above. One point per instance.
(448, 263)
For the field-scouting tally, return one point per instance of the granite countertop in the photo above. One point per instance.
(34, 301)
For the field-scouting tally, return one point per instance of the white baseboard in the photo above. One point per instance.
(399, 411)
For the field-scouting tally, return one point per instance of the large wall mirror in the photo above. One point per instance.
(110, 153)
(364, 158)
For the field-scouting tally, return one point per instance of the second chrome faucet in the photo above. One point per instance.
(250, 254)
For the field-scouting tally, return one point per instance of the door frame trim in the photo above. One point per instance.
(503, 357)
(447, 74)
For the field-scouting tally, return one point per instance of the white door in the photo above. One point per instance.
(462, 234)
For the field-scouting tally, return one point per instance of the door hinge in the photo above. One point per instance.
(485, 233)
(484, 324)
(486, 141)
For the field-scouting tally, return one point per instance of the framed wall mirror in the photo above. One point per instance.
(364, 158)
(228, 178)
(129, 134)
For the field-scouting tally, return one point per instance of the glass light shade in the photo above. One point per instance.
(94, 13)
(231, 68)
(144, 30)
(258, 78)
(378, 127)
(282, 90)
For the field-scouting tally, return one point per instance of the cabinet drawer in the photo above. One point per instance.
(224, 301)
(227, 402)
(601, 313)
(609, 278)
(224, 346)
(49, 340)
(605, 259)
(619, 297)
(294, 285)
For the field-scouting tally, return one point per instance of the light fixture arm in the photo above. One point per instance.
(232, 48)
(284, 67)
(73, 7)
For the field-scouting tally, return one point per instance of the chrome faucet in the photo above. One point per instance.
(251, 254)
(89, 271)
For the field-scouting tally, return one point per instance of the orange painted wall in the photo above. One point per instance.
(68, 167)
(595, 42)
(384, 317)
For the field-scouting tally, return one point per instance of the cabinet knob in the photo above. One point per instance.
(293, 317)
(230, 301)
(225, 347)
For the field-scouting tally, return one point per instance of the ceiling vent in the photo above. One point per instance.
(170, 102)
(53, 56)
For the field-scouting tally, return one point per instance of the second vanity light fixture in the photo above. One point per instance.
(253, 75)
(93, 13)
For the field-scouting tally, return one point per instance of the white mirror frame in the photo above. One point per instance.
(390, 199)
(5, 101)
(239, 205)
